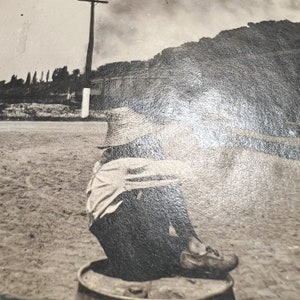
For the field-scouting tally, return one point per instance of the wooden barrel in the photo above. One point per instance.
(94, 284)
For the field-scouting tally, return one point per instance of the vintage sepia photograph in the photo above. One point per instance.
(150, 149)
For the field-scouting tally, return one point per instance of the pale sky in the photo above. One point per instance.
(44, 34)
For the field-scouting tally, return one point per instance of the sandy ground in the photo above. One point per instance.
(242, 201)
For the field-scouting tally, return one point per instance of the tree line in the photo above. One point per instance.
(43, 85)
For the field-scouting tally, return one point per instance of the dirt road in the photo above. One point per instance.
(243, 202)
(94, 128)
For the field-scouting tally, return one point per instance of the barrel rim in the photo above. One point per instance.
(86, 267)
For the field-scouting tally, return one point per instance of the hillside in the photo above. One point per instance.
(228, 90)
(246, 78)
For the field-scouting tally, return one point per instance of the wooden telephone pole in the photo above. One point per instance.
(89, 55)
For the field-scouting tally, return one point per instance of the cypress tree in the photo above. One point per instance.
(28, 79)
(34, 79)
(42, 77)
(47, 76)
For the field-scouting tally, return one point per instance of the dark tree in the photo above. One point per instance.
(76, 73)
(20, 82)
(34, 79)
(28, 79)
(47, 76)
(15, 82)
(60, 74)
(42, 77)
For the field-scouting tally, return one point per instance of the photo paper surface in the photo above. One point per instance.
(150, 149)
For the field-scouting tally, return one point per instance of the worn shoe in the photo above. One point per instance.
(196, 247)
(210, 262)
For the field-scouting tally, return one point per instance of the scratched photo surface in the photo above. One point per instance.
(157, 141)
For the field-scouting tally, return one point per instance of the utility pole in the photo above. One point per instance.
(89, 55)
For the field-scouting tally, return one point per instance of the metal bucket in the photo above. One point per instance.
(95, 283)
